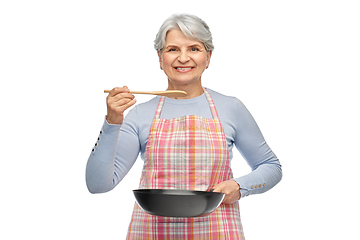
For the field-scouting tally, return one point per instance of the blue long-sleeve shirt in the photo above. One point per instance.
(118, 146)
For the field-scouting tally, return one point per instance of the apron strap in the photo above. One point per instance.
(159, 107)
(211, 104)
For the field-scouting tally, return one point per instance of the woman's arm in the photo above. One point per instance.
(266, 168)
(113, 155)
(117, 146)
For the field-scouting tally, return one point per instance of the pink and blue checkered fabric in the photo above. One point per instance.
(186, 153)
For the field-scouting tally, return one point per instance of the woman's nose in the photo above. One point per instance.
(183, 57)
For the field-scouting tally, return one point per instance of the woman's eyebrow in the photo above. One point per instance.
(190, 46)
(171, 46)
(196, 45)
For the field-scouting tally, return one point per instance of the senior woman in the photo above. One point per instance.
(186, 143)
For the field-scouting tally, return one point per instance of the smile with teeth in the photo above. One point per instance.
(183, 69)
(179, 68)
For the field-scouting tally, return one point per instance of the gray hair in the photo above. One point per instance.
(192, 26)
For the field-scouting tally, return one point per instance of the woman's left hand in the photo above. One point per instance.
(231, 189)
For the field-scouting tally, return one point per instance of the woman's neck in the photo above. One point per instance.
(192, 90)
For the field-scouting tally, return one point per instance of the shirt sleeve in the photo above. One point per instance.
(113, 155)
(266, 168)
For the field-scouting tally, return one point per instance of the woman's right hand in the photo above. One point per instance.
(118, 100)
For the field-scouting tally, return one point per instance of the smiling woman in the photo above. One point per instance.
(185, 143)
(184, 45)
(183, 61)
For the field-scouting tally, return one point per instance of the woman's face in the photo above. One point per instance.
(183, 60)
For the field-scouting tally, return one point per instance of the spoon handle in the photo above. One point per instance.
(168, 93)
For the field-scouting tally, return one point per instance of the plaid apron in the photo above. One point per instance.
(186, 153)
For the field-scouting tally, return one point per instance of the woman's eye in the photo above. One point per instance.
(194, 49)
(172, 49)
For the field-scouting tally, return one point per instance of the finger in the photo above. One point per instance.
(131, 103)
(117, 90)
(230, 188)
(125, 103)
(232, 198)
(121, 98)
(121, 108)
(118, 95)
(217, 188)
(126, 88)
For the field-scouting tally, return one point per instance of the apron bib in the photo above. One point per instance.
(186, 153)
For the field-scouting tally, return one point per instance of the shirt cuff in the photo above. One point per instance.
(247, 187)
(110, 131)
(110, 127)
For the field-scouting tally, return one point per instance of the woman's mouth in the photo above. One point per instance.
(183, 69)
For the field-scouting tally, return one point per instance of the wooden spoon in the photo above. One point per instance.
(168, 93)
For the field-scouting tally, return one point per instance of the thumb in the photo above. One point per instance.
(217, 188)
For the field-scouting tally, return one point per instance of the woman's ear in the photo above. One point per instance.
(160, 60)
(208, 56)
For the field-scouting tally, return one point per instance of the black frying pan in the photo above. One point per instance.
(178, 203)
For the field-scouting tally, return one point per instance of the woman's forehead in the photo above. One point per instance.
(177, 38)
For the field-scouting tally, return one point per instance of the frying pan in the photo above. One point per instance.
(178, 203)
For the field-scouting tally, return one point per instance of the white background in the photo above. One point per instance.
(294, 64)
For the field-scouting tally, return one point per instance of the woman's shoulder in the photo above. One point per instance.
(232, 112)
(222, 100)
